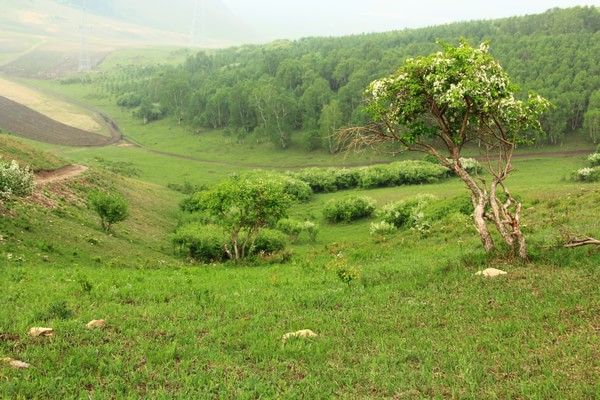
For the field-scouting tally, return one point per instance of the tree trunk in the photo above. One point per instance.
(479, 198)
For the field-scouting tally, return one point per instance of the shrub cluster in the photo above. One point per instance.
(324, 180)
(588, 174)
(204, 243)
(382, 229)
(594, 159)
(15, 181)
(349, 209)
(405, 213)
(294, 228)
(269, 241)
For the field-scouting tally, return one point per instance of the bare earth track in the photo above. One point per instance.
(58, 175)
(30, 124)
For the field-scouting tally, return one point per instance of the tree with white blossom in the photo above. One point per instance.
(441, 103)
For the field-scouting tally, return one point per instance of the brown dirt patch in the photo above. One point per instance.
(28, 123)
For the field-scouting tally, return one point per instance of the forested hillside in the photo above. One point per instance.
(311, 87)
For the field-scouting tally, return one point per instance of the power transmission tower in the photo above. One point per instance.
(198, 30)
(85, 61)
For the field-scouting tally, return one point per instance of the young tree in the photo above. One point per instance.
(591, 121)
(243, 206)
(110, 207)
(331, 121)
(439, 104)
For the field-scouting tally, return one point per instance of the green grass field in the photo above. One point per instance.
(413, 323)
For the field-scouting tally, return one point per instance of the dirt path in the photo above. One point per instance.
(58, 175)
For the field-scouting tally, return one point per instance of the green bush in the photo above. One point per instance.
(294, 228)
(594, 159)
(587, 174)
(290, 227)
(15, 181)
(382, 229)
(296, 189)
(405, 213)
(321, 180)
(129, 100)
(401, 173)
(269, 241)
(110, 207)
(205, 243)
(312, 230)
(349, 209)
(325, 180)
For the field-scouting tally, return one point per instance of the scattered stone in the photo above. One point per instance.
(305, 333)
(491, 272)
(39, 332)
(96, 324)
(16, 364)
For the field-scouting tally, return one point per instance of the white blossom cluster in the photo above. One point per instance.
(15, 181)
(594, 159)
(382, 228)
(471, 165)
(588, 174)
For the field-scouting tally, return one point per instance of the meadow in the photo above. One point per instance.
(401, 316)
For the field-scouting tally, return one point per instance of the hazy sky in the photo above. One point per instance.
(296, 18)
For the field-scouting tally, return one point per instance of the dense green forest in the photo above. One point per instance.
(302, 91)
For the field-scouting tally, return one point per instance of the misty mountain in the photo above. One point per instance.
(214, 20)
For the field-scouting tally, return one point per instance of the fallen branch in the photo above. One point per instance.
(578, 242)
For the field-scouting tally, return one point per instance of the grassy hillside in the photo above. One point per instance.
(414, 322)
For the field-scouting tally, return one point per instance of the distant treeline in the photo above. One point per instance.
(311, 87)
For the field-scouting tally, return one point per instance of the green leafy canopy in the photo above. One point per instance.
(461, 91)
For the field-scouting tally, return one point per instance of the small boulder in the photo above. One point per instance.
(41, 332)
(96, 324)
(491, 273)
(16, 364)
(305, 333)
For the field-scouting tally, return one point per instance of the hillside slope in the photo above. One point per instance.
(555, 54)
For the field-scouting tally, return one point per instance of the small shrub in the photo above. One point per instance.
(405, 213)
(269, 241)
(15, 181)
(587, 174)
(296, 189)
(349, 209)
(110, 207)
(129, 100)
(294, 229)
(594, 159)
(201, 243)
(312, 230)
(382, 229)
(290, 227)
(321, 180)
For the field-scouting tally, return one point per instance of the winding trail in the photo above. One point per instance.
(59, 175)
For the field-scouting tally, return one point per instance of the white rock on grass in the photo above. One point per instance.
(491, 273)
(38, 332)
(305, 333)
(16, 364)
(96, 324)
